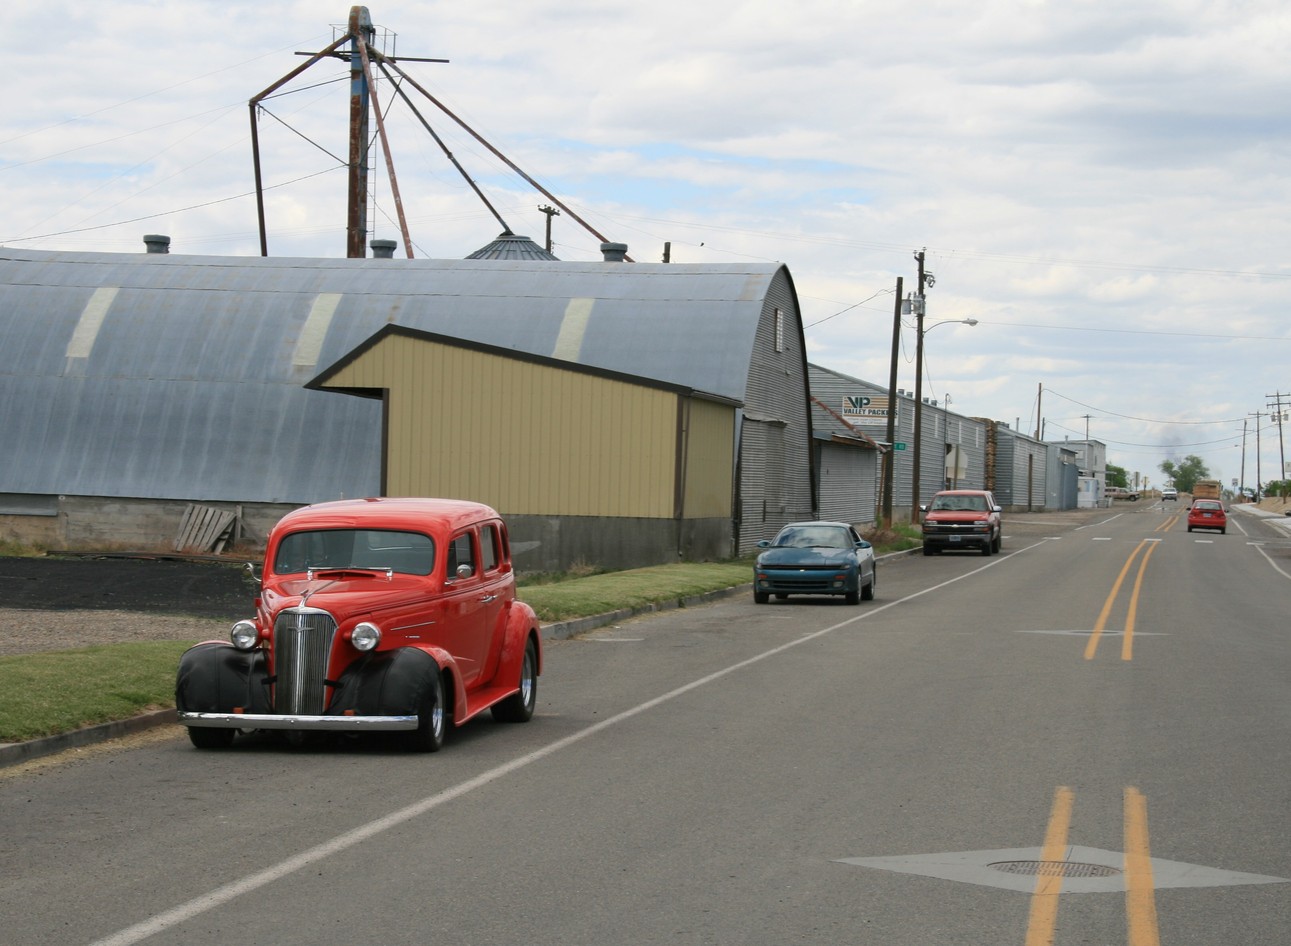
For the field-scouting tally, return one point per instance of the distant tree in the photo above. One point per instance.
(1116, 476)
(1186, 472)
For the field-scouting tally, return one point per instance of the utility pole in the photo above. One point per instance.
(1242, 478)
(1259, 489)
(917, 303)
(1278, 413)
(356, 221)
(890, 457)
(1039, 394)
(550, 212)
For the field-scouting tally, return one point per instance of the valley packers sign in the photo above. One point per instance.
(863, 407)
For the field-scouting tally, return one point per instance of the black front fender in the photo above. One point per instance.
(385, 683)
(216, 677)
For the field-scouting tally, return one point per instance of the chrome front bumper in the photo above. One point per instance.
(303, 723)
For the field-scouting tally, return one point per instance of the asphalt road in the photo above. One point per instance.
(1082, 741)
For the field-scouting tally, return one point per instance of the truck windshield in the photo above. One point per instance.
(410, 553)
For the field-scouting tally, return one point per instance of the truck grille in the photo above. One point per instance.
(302, 644)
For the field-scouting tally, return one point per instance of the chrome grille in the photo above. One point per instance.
(302, 644)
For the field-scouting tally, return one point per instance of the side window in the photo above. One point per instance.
(460, 552)
(490, 553)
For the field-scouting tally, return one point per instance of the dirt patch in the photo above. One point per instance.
(153, 586)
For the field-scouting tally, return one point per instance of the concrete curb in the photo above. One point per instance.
(15, 752)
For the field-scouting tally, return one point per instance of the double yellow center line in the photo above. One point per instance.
(1127, 642)
(1140, 890)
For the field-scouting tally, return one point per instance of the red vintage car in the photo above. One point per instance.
(374, 615)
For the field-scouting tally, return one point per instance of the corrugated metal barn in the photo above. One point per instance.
(133, 384)
(847, 467)
(866, 406)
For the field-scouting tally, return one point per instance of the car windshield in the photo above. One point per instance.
(410, 553)
(814, 537)
(960, 503)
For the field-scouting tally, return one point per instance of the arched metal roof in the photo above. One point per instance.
(167, 376)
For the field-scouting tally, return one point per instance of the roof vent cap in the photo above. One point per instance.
(156, 242)
(614, 252)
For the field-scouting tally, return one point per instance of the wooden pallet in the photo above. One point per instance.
(205, 529)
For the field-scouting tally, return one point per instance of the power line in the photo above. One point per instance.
(1146, 420)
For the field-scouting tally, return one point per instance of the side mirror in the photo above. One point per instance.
(863, 545)
(251, 569)
(465, 571)
(923, 507)
(764, 544)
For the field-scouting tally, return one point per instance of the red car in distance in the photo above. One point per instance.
(1207, 514)
(374, 615)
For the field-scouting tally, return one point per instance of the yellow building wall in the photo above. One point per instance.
(536, 439)
(710, 461)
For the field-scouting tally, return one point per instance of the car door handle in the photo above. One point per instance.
(487, 598)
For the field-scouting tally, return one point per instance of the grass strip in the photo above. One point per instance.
(639, 587)
(49, 693)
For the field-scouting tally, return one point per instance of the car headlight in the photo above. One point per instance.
(365, 636)
(244, 635)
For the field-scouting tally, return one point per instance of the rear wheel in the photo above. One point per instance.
(204, 738)
(518, 707)
(431, 721)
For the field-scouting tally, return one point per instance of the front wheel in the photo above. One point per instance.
(431, 722)
(986, 548)
(761, 597)
(518, 707)
(204, 738)
(867, 593)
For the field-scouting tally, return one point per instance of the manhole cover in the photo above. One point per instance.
(1054, 869)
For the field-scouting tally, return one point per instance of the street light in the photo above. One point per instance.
(918, 307)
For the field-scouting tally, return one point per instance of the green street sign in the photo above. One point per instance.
(898, 446)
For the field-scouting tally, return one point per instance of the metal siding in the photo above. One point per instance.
(1013, 451)
(776, 464)
(710, 460)
(848, 481)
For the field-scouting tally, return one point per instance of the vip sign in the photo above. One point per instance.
(862, 407)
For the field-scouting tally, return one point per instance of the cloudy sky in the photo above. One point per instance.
(1103, 186)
